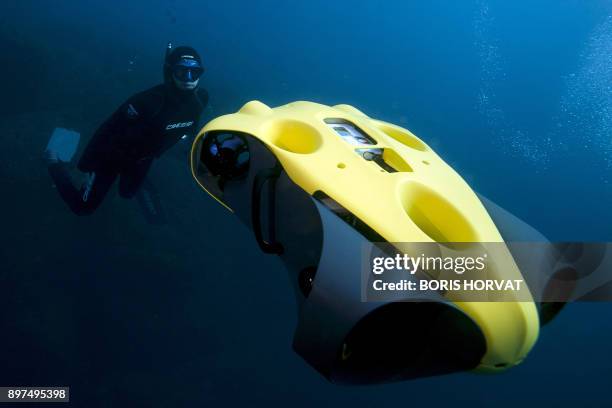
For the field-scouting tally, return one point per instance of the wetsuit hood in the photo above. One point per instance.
(173, 57)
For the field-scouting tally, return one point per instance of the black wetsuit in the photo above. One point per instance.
(124, 146)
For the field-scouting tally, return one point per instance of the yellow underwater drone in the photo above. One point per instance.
(317, 184)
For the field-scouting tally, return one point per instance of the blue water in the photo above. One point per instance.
(514, 95)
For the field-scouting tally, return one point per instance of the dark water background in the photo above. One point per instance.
(515, 95)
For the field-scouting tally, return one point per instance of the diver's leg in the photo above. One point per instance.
(132, 178)
(134, 183)
(82, 201)
(150, 203)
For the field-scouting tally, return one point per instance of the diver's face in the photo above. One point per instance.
(186, 74)
(186, 85)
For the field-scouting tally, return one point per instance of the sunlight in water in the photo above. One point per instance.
(515, 141)
(586, 108)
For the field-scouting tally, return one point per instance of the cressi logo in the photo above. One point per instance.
(179, 125)
(131, 111)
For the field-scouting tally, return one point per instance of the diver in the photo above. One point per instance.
(139, 131)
